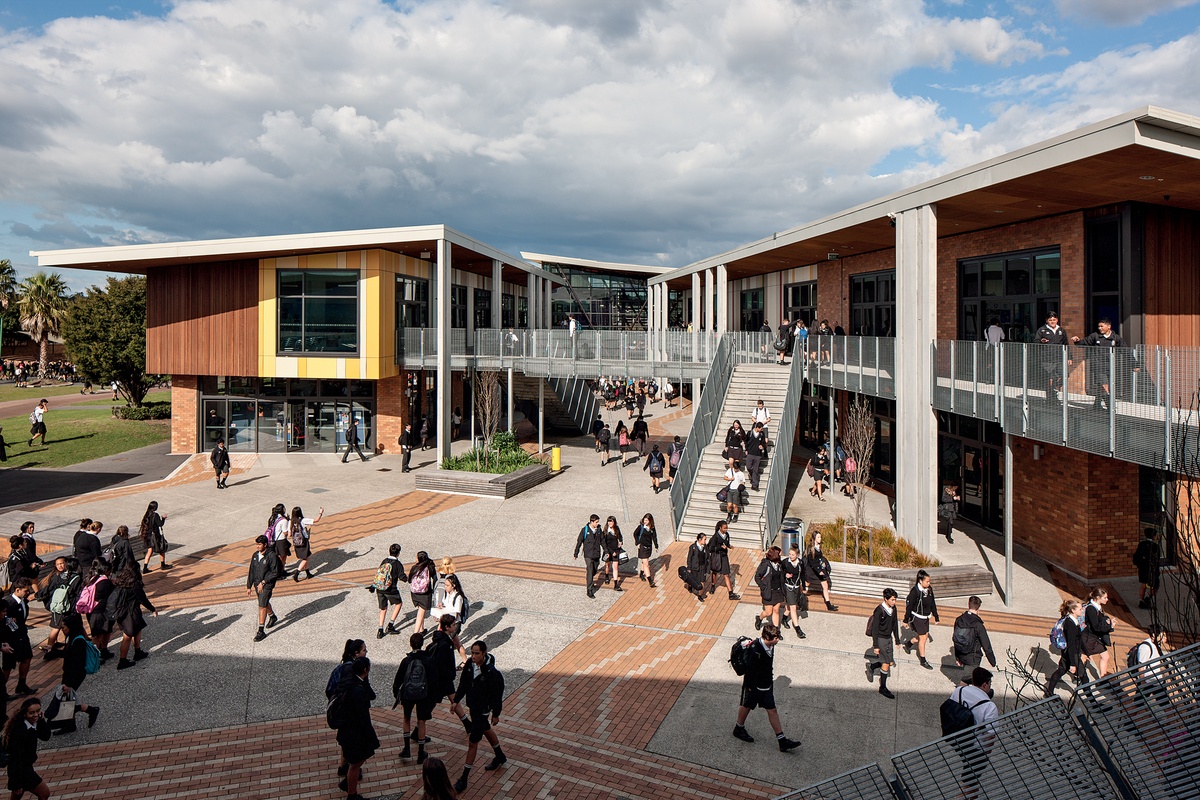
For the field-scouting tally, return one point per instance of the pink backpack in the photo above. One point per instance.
(86, 603)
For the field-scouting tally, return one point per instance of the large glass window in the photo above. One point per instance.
(483, 308)
(280, 415)
(318, 311)
(412, 302)
(508, 310)
(522, 312)
(800, 302)
(1016, 289)
(872, 304)
(458, 306)
(752, 309)
(1104, 271)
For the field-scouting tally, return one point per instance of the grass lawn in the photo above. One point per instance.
(77, 434)
(105, 399)
(9, 391)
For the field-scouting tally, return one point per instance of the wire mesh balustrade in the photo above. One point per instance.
(860, 364)
(707, 413)
(864, 783)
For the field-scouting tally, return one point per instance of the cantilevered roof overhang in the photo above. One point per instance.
(1149, 155)
(419, 241)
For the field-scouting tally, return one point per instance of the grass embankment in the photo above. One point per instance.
(9, 391)
(78, 433)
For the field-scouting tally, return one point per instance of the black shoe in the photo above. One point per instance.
(734, 596)
(641, 575)
(24, 688)
(617, 588)
(296, 577)
(786, 744)
(145, 569)
(164, 565)
(926, 664)
(650, 581)
(391, 628)
(830, 606)
(607, 579)
(592, 593)
(907, 648)
(379, 634)
(739, 732)
(258, 637)
(949, 539)
(801, 634)
(407, 751)
(344, 785)
(787, 622)
(124, 663)
(92, 712)
(498, 761)
(460, 785)
(883, 690)
(758, 623)
(272, 620)
(421, 755)
(138, 655)
(871, 671)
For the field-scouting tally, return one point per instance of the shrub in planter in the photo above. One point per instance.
(148, 411)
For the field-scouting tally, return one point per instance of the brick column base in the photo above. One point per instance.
(185, 410)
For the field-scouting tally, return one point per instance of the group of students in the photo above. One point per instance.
(435, 590)
(604, 552)
(428, 674)
(285, 535)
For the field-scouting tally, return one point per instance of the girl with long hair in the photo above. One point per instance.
(152, 536)
(1071, 660)
(613, 546)
(124, 608)
(101, 626)
(646, 537)
(20, 740)
(300, 531)
(421, 580)
(280, 525)
(435, 780)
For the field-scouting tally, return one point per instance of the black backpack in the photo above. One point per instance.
(739, 655)
(415, 685)
(956, 715)
(964, 636)
(334, 711)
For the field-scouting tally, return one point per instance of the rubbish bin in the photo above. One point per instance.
(555, 459)
(792, 533)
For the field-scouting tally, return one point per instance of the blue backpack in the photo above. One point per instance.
(1058, 637)
(91, 664)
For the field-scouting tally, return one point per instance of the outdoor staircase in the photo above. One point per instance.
(570, 402)
(749, 384)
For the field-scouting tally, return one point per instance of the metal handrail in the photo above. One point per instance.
(770, 518)
(707, 414)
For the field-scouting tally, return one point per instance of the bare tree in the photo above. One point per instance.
(858, 436)
(1177, 601)
(488, 407)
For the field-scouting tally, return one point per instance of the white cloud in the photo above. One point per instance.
(623, 129)
(1117, 12)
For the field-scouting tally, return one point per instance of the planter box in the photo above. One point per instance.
(482, 484)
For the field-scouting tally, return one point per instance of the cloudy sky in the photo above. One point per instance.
(646, 131)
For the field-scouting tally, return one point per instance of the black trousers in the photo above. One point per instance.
(407, 458)
(753, 470)
(591, 566)
(355, 447)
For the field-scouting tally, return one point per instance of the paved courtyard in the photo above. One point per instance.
(626, 696)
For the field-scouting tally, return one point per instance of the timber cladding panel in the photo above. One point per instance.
(1172, 280)
(202, 319)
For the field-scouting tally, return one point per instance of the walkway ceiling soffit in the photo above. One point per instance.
(1137, 161)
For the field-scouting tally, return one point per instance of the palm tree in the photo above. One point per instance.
(8, 283)
(41, 304)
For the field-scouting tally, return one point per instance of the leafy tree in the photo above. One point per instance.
(105, 334)
(8, 300)
(41, 304)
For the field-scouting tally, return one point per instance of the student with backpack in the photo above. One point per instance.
(355, 733)
(645, 536)
(1065, 636)
(278, 530)
(971, 706)
(412, 690)
(1150, 678)
(80, 659)
(756, 660)
(59, 596)
(385, 587)
(421, 580)
(300, 532)
(93, 599)
(674, 458)
(970, 642)
(884, 628)
(481, 690)
(119, 550)
(655, 462)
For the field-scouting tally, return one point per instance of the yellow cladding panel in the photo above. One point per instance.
(266, 317)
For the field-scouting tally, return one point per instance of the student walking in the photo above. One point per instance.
(758, 687)
(976, 695)
(413, 690)
(817, 570)
(646, 537)
(124, 608)
(970, 640)
(1147, 559)
(1052, 334)
(597, 426)
(219, 457)
(735, 494)
(884, 629)
(21, 734)
(152, 537)
(655, 462)
(92, 602)
(718, 559)
(481, 688)
(697, 566)
(278, 532)
(355, 734)
(20, 654)
(1066, 637)
(300, 533)
(263, 573)
(793, 589)
(1097, 629)
(948, 508)
(614, 548)
(818, 470)
(769, 577)
(37, 422)
(75, 663)
(590, 542)
(353, 649)
(919, 607)
(674, 458)
(122, 550)
(641, 431)
(407, 441)
(87, 543)
(352, 441)
(386, 589)
(622, 439)
(421, 580)
(756, 451)
(602, 445)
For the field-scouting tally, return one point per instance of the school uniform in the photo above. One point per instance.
(758, 684)
(356, 735)
(718, 553)
(264, 569)
(647, 540)
(18, 638)
(422, 599)
(22, 754)
(481, 690)
(1072, 656)
(885, 629)
(1096, 629)
(124, 608)
(793, 580)
(918, 608)
(769, 577)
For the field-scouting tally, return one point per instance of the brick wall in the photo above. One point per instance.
(185, 410)
(833, 283)
(391, 407)
(1076, 510)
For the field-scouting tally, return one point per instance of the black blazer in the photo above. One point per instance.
(816, 567)
(75, 663)
(1098, 624)
(884, 625)
(793, 574)
(219, 457)
(735, 437)
(87, 548)
(22, 745)
(697, 558)
(760, 667)
(263, 570)
(916, 604)
(590, 542)
(1073, 655)
(770, 579)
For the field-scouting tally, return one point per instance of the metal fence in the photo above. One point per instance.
(771, 517)
(674, 354)
(861, 364)
(417, 348)
(1133, 735)
(706, 414)
(1148, 719)
(1137, 404)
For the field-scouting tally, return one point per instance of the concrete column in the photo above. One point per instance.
(1008, 527)
(916, 449)
(547, 290)
(707, 300)
(722, 299)
(541, 415)
(444, 375)
(510, 400)
(531, 301)
(497, 293)
(651, 302)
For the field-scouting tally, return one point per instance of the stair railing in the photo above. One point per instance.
(770, 519)
(708, 414)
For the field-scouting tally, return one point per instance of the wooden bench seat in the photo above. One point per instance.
(959, 581)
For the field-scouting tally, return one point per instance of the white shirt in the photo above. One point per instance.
(450, 604)
(761, 415)
(38, 413)
(283, 527)
(735, 477)
(572, 326)
(994, 334)
(983, 712)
